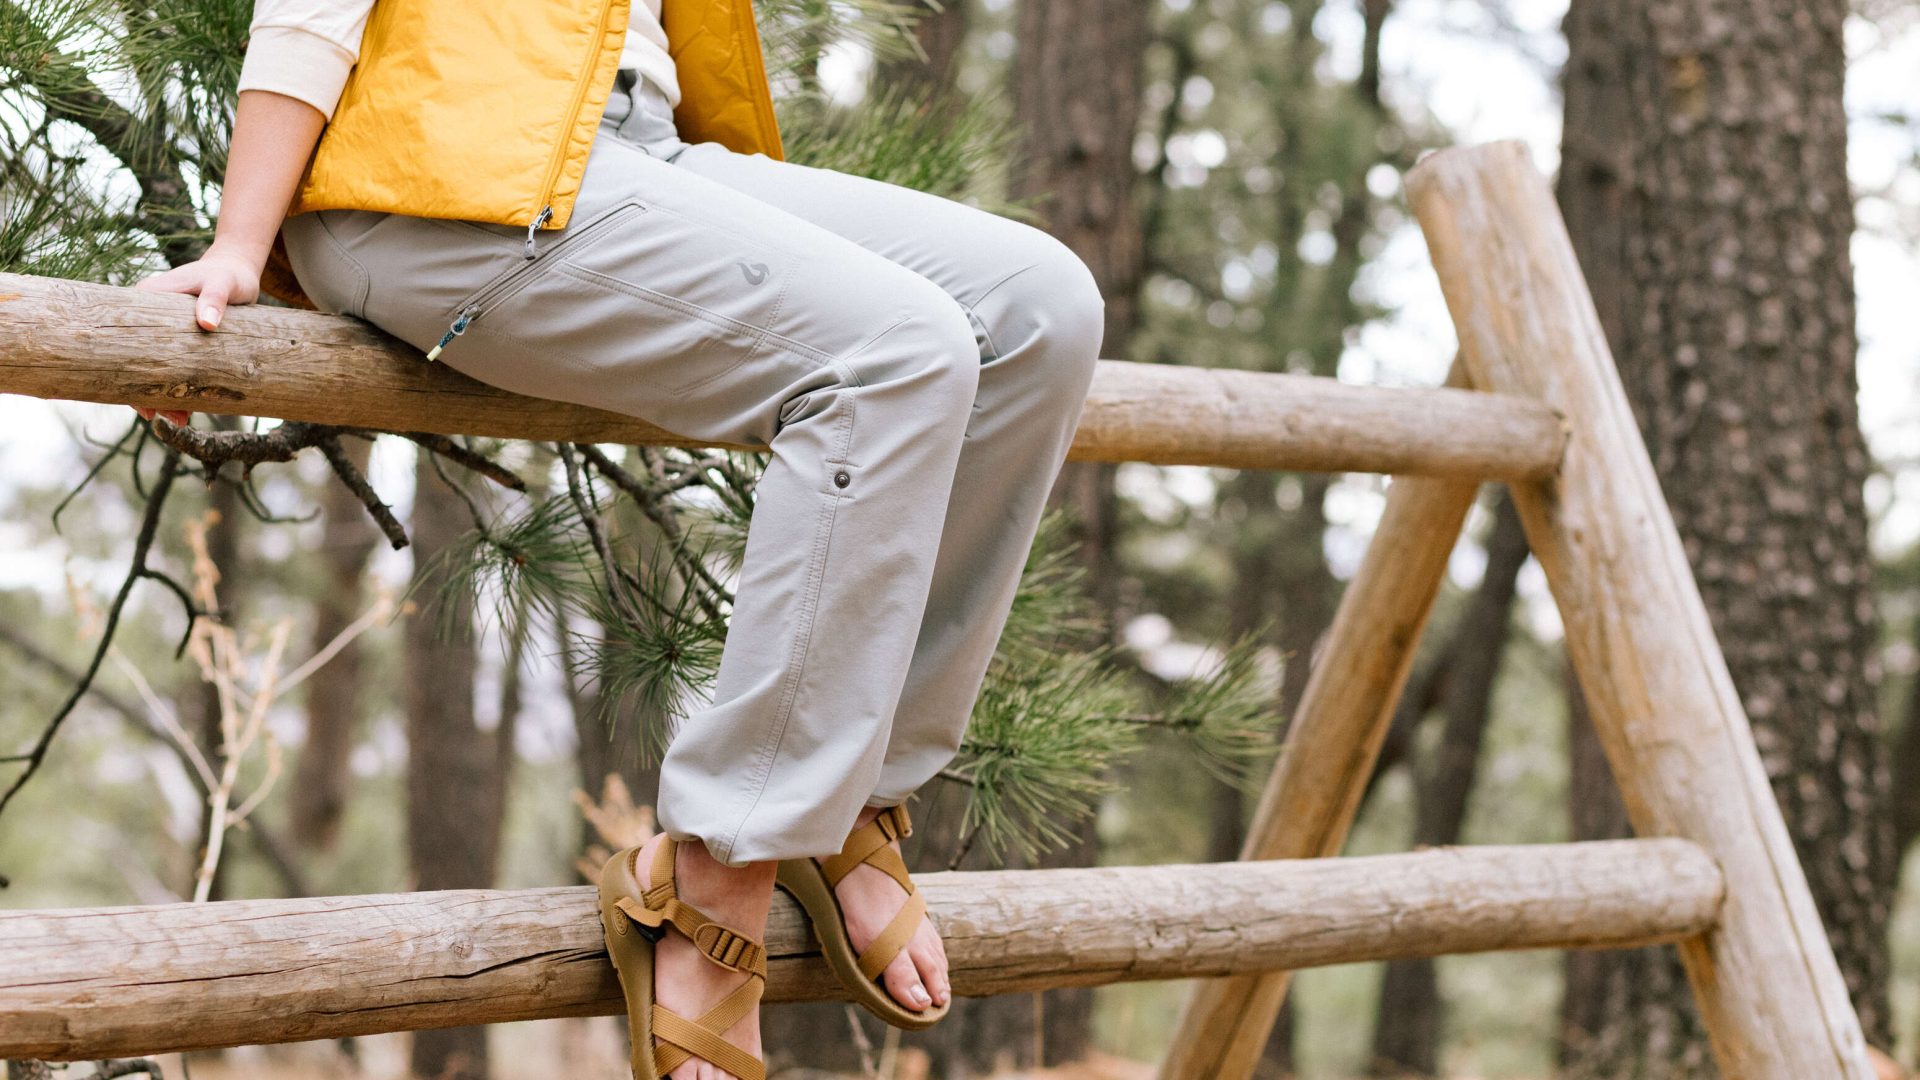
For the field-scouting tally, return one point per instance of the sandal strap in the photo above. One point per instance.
(682, 1038)
(722, 944)
(679, 1038)
(888, 943)
(869, 844)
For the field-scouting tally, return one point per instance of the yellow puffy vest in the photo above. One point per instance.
(487, 111)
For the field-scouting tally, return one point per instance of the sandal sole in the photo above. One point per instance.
(632, 956)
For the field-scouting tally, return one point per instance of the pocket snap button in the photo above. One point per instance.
(841, 479)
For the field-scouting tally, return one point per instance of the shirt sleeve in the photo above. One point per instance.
(304, 48)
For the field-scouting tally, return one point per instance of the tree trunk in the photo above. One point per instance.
(1706, 188)
(941, 34)
(1596, 812)
(320, 781)
(1407, 1033)
(453, 824)
(1906, 772)
(1077, 88)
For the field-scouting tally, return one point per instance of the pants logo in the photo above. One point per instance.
(755, 272)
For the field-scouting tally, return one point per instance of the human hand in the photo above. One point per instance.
(219, 278)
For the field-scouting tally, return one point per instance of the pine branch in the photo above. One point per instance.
(657, 511)
(68, 93)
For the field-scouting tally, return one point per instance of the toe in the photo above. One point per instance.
(902, 979)
(930, 960)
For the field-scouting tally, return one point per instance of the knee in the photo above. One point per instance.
(926, 343)
(1066, 303)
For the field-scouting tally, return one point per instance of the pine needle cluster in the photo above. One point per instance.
(1060, 711)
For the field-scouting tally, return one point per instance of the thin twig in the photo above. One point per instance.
(149, 524)
(590, 517)
(863, 1044)
(465, 458)
(651, 505)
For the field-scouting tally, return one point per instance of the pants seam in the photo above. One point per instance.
(362, 282)
(816, 577)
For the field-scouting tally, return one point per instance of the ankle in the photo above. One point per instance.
(746, 890)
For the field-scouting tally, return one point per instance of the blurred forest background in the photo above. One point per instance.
(1741, 178)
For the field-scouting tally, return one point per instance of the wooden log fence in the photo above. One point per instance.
(1673, 727)
(85, 342)
(1334, 739)
(1716, 872)
(104, 982)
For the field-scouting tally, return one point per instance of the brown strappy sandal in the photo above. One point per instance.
(811, 883)
(633, 920)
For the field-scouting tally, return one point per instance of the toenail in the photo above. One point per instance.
(919, 995)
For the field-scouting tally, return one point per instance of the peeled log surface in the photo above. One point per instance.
(87, 342)
(111, 982)
(1772, 997)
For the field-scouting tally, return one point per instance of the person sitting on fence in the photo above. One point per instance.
(574, 200)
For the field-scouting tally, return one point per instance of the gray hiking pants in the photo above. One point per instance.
(915, 366)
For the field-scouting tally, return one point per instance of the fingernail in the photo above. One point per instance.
(211, 315)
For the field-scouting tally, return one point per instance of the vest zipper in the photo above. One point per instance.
(559, 158)
(498, 290)
(546, 212)
(494, 292)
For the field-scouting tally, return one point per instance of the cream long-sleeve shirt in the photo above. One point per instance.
(305, 48)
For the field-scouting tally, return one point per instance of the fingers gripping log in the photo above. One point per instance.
(1679, 743)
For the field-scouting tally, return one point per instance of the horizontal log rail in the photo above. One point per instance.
(88, 342)
(102, 982)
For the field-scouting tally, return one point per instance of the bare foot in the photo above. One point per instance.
(917, 977)
(684, 980)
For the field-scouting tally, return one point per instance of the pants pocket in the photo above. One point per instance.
(642, 306)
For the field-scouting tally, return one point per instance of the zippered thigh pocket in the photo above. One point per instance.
(503, 286)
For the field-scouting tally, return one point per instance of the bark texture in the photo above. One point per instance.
(1706, 188)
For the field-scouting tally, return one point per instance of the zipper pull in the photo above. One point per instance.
(459, 327)
(546, 212)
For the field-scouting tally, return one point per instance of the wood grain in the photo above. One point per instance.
(1662, 701)
(87, 342)
(111, 982)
